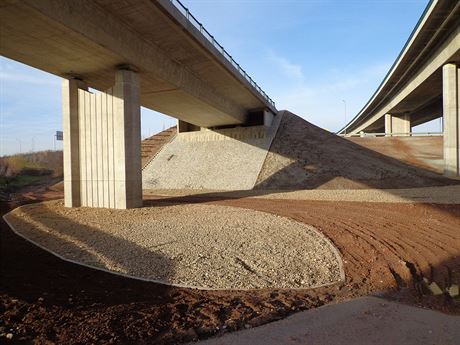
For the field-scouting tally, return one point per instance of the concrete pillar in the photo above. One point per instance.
(397, 125)
(127, 140)
(388, 129)
(268, 118)
(102, 161)
(183, 126)
(451, 119)
(71, 129)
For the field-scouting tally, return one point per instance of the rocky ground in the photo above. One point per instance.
(304, 156)
(387, 249)
(406, 251)
(193, 245)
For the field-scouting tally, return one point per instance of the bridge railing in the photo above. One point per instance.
(191, 18)
(410, 134)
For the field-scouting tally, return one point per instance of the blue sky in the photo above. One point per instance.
(308, 56)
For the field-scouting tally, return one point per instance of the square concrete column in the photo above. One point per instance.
(397, 125)
(388, 129)
(268, 118)
(127, 140)
(102, 144)
(71, 152)
(451, 119)
(183, 126)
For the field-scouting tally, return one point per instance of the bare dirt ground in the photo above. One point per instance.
(387, 249)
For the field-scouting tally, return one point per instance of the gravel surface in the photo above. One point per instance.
(226, 159)
(437, 195)
(304, 156)
(206, 246)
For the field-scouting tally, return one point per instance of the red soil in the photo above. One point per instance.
(50, 300)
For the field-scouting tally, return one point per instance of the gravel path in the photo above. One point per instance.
(206, 246)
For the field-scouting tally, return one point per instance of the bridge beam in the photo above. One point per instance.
(451, 114)
(102, 162)
(397, 125)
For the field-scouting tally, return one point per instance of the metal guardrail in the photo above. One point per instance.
(191, 18)
(410, 134)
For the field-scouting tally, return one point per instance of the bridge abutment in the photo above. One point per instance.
(102, 162)
(451, 118)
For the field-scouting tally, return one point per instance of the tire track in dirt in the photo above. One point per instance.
(380, 238)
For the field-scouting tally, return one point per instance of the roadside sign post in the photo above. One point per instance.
(58, 136)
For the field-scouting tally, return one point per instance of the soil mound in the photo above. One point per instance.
(304, 156)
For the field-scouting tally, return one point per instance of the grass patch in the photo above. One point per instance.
(12, 184)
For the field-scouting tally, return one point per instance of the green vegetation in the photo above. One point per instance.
(21, 170)
(8, 184)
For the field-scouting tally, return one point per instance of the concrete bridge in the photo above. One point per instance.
(423, 84)
(152, 53)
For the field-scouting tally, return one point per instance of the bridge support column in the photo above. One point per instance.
(102, 162)
(71, 132)
(183, 126)
(397, 125)
(451, 119)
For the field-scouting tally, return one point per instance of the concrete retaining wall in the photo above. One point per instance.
(226, 159)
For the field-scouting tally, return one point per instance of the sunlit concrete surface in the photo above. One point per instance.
(366, 320)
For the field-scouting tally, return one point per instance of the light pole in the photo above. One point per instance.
(345, 112)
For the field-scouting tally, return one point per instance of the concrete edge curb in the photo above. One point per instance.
(335, 250)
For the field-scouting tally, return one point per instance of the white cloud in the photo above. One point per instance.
(320, 101)
(288, 68)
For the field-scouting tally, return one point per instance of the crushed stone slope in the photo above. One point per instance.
(151, 145)
(226, 159)
(304, 156)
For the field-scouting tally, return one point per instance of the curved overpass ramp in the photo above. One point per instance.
(423, 84)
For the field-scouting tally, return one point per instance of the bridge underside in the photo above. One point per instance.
(180, 73)
(135, 53)
(433, 92)
(423, 104)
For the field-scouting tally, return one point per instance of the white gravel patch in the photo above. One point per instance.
(205, 246)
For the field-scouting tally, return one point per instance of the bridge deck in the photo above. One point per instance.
(182, 73)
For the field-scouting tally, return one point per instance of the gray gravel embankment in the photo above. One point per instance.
(206, 246)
